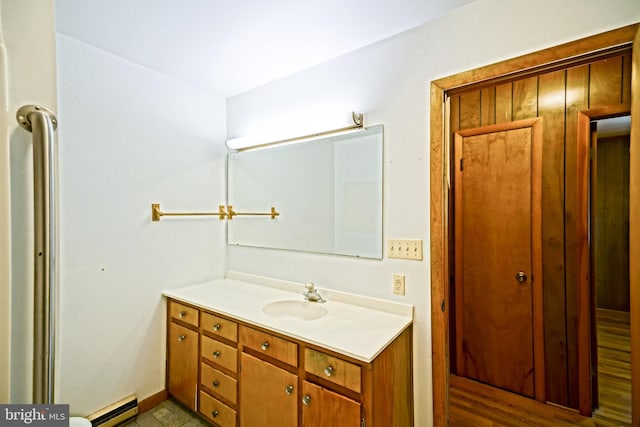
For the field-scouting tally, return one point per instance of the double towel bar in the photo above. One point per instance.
(223, 213)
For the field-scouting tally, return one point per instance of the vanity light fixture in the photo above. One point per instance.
(245, 143)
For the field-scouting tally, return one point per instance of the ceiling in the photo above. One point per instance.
(232, 46)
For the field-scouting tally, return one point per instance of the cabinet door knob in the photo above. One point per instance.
(182, 314)
(521, 277)
(217, 327)
(306, 400)
(216, 354)
(328, 371)
(264, 346)
(216, 383)
(215, 413)
(182, 338)
(289, 389)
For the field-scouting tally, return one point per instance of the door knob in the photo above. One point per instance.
(521, 276)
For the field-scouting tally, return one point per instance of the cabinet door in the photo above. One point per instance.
(268, 395)
(324, 408)
(183, 364)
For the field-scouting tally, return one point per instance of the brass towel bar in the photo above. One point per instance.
(222, 213)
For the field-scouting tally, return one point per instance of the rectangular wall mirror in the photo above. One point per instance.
(328, 192)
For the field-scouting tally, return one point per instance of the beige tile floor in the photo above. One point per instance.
(168, 413)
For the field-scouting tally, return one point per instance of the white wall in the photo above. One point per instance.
(129, 137)
(27, 76)
(389, 82)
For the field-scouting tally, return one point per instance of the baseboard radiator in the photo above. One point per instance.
(116, 414)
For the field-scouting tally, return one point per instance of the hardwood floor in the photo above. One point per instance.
(614, 369)
(476, 405)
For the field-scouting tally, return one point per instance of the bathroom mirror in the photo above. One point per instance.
(328, 192)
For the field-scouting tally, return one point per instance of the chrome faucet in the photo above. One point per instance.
(311, 294)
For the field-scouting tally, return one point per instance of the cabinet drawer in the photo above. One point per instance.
(217, 411)
(331, 368)
(184, 313)
(219, 382)
(219, 353)
(269, 345)
(219, 326)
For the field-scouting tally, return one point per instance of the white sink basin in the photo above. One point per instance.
(298, 310)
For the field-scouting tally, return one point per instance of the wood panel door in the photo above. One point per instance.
(498, 269)
(183, 364)
(268, 394)
(324, 408)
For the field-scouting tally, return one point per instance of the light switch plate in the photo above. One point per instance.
(405, 249)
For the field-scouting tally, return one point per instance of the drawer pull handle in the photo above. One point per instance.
(182, 314)
(306, 400)
(216, 383)
(216, 354)
(182, 338)
(215, 413)
(264, 346)
(289, 389)
(328, 371)
(217, 327)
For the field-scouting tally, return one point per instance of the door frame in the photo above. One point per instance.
(440, 192)
(586, 283)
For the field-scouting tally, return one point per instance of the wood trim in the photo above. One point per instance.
(585, 403)
(583, 268)
(152, 401)
(634, 231)
(439, 201)
(439, 160)
(531, 61)
(536, 259)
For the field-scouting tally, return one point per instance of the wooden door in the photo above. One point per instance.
(268, 394)
(324, 408)
(498, 286)
(183, 364)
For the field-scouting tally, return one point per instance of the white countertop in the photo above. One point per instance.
(356, 326)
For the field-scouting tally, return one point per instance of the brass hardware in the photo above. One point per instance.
(264, 346)
(231, 213)
(306, 400)
(289, 389)
(222, 213)
(521, 277)
(215, 413)
(182, 314)
(181, 338)
(217, 327)
(216, 354)
(216, 383)
(156, 213)
(328, 371)
(358, 123)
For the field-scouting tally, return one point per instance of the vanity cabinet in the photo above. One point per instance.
(239, 375)
(182, 343)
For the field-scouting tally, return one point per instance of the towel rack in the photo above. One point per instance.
(222, 213)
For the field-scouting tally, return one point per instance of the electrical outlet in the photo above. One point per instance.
(405, 249)
(398, 284)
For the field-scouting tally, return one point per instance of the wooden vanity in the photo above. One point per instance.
(236, 373)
